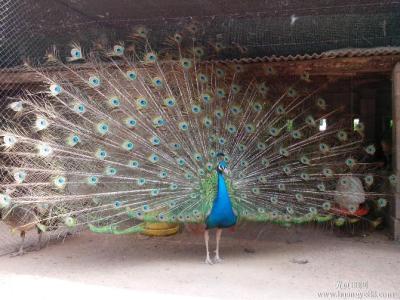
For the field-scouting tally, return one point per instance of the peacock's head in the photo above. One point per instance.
(222, 164)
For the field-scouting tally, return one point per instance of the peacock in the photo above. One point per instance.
(123, 136)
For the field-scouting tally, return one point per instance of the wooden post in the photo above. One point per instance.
(395, 211)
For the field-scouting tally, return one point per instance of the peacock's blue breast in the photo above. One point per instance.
(221, 215)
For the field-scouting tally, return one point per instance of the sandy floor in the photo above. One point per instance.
(259, 263)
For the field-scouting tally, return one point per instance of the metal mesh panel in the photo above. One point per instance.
(29, 28)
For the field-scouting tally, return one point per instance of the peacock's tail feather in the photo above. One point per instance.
(126, 133)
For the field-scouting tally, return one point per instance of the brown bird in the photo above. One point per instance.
(22, 219)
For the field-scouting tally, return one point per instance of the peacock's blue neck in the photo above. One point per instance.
(222, 192)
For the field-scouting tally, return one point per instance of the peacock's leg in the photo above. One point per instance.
(20, 251)
(206, 239)
(39, 243)
(218, 259)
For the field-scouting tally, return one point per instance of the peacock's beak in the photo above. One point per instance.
(226, 171)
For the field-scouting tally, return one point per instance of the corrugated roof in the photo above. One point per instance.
(339, 53)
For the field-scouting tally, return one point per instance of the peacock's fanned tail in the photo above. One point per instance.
(133, 135)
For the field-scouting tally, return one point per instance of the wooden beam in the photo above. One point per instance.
(339, 66)
(332, 67)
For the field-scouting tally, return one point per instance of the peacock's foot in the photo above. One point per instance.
(217, 259)
(208, 261)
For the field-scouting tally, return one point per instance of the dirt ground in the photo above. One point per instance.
(260, 262)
